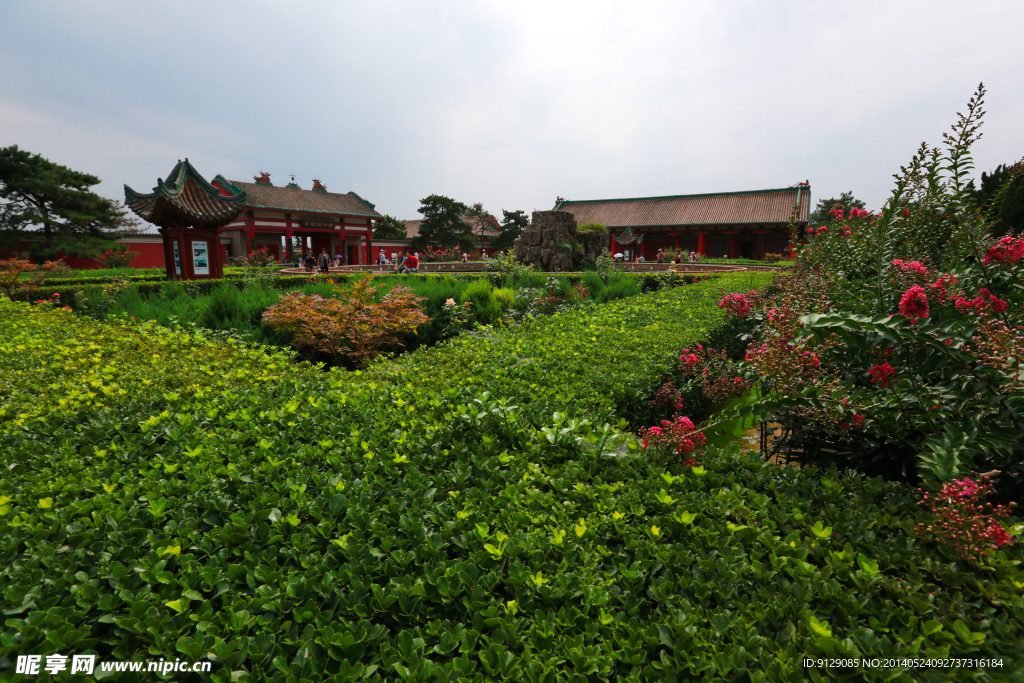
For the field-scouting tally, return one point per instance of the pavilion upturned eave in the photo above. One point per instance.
(186, 199)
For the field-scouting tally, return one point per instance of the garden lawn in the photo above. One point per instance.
(400, 524)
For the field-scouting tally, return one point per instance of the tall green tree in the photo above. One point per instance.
(389, 228)
(845, 201)
(513, 224)
(1001, 196)
(442, 224)
(53, 206)
(481, 218)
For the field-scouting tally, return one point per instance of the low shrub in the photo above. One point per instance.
(484, 310)
(224, 309)
(618, 287)
(351, 328)
(504, 296)
(118, 257)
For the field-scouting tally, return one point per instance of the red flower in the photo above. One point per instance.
(1006, 251)
(997, 534)
(858, 421)
(736, 304)
(914, 303)
(882, 374)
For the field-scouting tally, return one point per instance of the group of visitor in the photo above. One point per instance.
(409, 263)
(406, 263)
(678, 258)
(321, 263)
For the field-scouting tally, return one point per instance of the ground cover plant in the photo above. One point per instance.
(236, 304)
(164, 493)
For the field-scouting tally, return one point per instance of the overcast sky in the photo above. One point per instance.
(508, 103)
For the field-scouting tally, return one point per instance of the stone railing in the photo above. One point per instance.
(480, 267)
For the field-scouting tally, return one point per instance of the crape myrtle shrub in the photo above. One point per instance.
(168, 496)
(897, 342)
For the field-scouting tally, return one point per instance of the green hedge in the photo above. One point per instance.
(164, 495)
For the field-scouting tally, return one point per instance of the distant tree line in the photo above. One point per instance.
(449, 224)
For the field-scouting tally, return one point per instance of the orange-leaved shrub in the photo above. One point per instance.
(351, 328)
(11, 271)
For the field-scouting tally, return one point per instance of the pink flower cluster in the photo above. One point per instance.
(915, 267)
(858, 213)
(882, 374)
(1006, 251)
(963, 521)
(960, 488)
(914, 303)
(679, 435)
(736, 304)
(997, 535)
(979, 303)
(810, 358)
(938, 288)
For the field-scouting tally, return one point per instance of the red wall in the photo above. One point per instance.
(150, 255)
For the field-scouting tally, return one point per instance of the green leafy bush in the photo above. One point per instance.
(224, 309)
(504, 296)
(485, 309)
(618, 287)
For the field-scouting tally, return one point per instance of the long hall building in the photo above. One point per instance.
(719, 225)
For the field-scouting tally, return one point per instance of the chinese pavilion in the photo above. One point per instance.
(203, 224)
(725, 224)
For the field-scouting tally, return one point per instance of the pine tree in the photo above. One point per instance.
(53, 207)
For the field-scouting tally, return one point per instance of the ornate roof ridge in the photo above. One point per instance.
(680, 196)
(175, 184)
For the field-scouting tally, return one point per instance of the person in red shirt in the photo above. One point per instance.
(412, 264)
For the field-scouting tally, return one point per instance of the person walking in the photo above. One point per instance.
(324, 261)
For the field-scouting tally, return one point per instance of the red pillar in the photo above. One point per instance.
(288, 237)
(250, 230)
(186, 259)
(168, 254)
(702, 244)
(344, 242)
(216, 256)
(732, 246)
